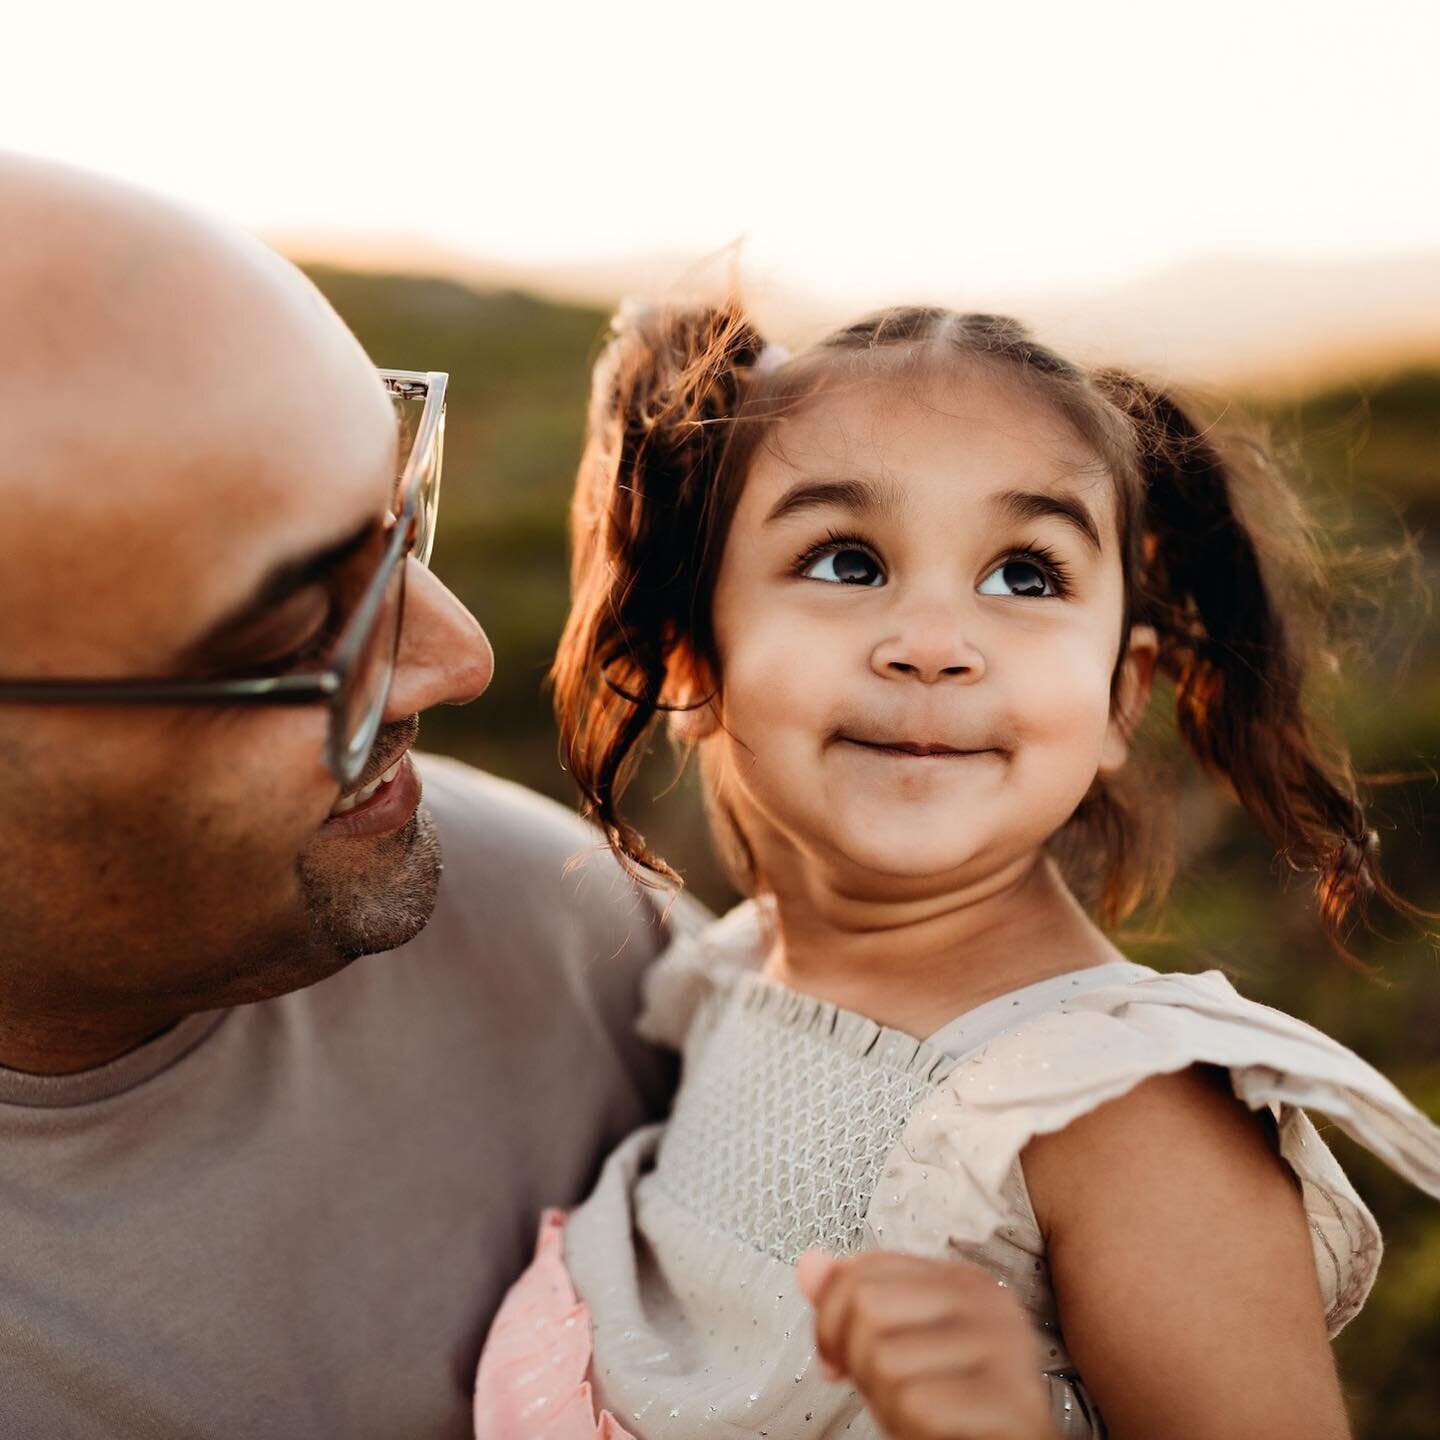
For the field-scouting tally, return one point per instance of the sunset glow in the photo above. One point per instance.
(851, 150)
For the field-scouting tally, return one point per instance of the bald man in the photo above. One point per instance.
(256, 1177)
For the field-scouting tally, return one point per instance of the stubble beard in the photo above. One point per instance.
(382, 899)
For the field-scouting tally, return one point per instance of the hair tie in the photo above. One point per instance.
(772, 357)
(1357, 849)
(632, 313)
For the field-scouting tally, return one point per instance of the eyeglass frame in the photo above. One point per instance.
(411, 534)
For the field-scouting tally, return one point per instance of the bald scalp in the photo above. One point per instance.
(172, 396)
(94, 271)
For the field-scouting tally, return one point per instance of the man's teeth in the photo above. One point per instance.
(346, 803)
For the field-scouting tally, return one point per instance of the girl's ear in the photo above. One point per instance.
(688, 684)
(1137, 672)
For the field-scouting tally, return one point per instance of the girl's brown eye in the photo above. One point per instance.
(844, 565)
(1036, 572)
(1024, 576)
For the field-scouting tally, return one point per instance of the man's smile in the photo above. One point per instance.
(382, 805)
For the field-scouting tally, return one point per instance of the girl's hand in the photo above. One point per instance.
(938, 1349)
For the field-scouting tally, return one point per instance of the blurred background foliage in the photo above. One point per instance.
(1366, 456)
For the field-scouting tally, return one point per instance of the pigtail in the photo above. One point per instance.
(1239, 650)
(663, 390)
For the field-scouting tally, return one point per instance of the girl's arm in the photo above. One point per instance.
(1182, 1266)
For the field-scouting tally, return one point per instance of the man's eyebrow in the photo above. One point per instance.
(1021, 505)
(287, 578)
(863, 497)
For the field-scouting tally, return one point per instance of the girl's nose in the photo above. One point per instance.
(929, 645)
(445, 657)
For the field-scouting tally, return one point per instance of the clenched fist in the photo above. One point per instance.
(937, 1348)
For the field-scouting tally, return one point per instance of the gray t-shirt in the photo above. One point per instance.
(296, 1218)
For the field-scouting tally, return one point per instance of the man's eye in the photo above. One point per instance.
(316, 647)
(289, 646)
(1017, 577)
(845, 565)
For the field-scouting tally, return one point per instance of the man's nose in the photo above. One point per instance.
(444, 657)
(929, 642)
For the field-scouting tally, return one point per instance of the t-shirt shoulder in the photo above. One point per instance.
(489, 825)
(519, 860)
(486, 813)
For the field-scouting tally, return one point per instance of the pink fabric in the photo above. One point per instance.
(532, 1383)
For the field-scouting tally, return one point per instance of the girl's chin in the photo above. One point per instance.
(903, 857)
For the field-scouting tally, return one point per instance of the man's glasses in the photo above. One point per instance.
(354, 681)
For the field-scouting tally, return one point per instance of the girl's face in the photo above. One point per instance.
(917, 617)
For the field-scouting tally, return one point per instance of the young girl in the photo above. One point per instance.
(906, 592)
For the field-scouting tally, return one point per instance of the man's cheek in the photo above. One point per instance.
(280, 800)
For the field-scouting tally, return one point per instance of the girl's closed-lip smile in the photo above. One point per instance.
(913, 749)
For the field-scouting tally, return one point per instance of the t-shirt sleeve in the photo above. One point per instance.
(951, 1181)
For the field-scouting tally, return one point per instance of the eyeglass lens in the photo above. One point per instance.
(360, 706)
(361, 703)
(428, 484)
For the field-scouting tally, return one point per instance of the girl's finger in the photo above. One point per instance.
(813, 1271)
(903, 1356)
(857, 1308)
(963, 1408)
(827, 1281)
(876, 1316)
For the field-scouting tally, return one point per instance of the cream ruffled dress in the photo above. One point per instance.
(665, 1306)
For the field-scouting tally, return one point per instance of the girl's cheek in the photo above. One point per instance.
(1066, 699)
(774, 663)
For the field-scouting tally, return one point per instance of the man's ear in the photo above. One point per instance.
(688, 684)
(1132, 696)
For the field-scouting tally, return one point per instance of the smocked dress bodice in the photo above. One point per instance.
(799, 1124)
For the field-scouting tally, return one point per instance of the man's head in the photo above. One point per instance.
(182, 418)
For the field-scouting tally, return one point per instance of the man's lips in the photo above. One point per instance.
(381, 805)
(357, 797)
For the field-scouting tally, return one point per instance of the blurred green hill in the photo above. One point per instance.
(1370, 458)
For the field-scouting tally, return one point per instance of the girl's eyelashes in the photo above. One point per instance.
(1037, 558)
(848, 560)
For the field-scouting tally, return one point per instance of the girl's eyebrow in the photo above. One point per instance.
(881, 499)
(1051, 504)
(884, 499)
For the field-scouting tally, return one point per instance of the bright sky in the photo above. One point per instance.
(853, 147)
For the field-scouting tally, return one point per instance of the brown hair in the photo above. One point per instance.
(1217, 551)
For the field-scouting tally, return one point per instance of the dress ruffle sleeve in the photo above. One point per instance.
(1099, 1044)
(693, 964)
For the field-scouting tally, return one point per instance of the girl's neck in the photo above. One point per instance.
(914, 965)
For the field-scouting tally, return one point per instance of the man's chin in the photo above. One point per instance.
(372, 893)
